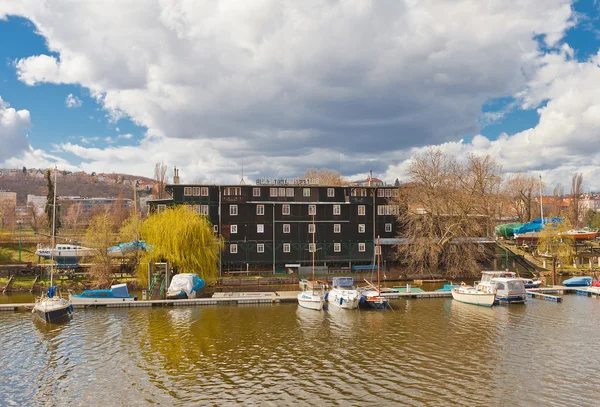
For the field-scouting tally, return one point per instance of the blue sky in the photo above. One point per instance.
(208, 85)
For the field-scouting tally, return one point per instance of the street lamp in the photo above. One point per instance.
(20, 223)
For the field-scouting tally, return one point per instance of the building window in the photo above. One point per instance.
(216, 228)
(187, 191)
(330, 192)
(285, 209)
(361, 228)
(260, 228)
(196, 208)
(233, 210)
(312, 209)
(381, 210)
(359, 192)
(361, 210)
(388, 193)
(289, 192)
(260, 209)
(286, 247)
(196, 191)
(233, 228)
(161, 208)
(286, 228)
(204, 210)
(380, 193)
(337, 247)
(305, 191)
(233, 248)
(337, 210)
(337, 228)
(361, 247)
(232, 191)
(255, 191)
(204, 191)
(388, 227)
(273, 192)
(378, 250)
(281, 192)
(312, 247)
(260, 248)
(311, 228)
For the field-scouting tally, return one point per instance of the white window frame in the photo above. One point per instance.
(306, 192)
(311, 228)
(330, 192)
(362, 210)
(337, 209)
(388, 227)
(388, 193)
(196, 191)
(187, 191)
(203, 191)
(215, 228)
(312, 247)
(260, 228)
(233, 229)
(273, 192)
(233, 248)
(204, 210)
(260, 209)
(286, 248)
(196, 208)
(378, 250)
(380, 193)
(312, 209)
(285, 209)
(255, 192)
(337, 247)
(289, 192)
(362, 247)
(361, 228)
(337, 228)
(281, 192)
(286, 228)
(233, 210)
(381, 210)
(260, 248)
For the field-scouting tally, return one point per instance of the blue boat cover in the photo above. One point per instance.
(536, 225)
(51, 291)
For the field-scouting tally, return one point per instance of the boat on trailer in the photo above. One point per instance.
(117, 293)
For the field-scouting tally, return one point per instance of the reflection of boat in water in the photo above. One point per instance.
(185, 286)
(116, 294)
(471, 295)
(343, 294)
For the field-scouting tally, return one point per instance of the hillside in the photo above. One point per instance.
(84, 185)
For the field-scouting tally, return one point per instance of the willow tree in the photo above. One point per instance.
(444, 208)
(185, 239)
(556, 243)
(100, 235)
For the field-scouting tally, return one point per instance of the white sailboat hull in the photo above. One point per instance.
(52, 309)
(345, 299)
(311, 301)
(473, 297)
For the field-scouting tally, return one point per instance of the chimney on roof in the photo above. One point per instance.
(175, 175)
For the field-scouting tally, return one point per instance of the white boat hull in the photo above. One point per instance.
(52, 309)
(473, 297)
(345, 299)
(311, 301)
(98, 301)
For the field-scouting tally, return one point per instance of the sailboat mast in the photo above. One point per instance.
(541, 202)
(53, 228)
(313, 253)
(378, 256)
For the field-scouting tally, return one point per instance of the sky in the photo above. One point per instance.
(270, 88)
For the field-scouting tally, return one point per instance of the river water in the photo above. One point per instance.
(428, 352)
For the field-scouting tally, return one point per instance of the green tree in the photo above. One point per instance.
(183, 238)
(555, 243)
(49, 210)
(100, 235)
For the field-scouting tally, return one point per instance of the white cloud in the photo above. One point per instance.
(73, 101)
(125, 136)
(13, 124)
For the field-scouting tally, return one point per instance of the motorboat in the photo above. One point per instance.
(507, 287)
(471, 295)
(581, 281)
(117, 293)
(64, 252)
(185, 286)
(530, 283)
(343, 294)
(51, 307)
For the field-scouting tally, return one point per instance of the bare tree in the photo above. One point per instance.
(557, 196)
(444, 207)
(325, 176)
(521, 189)
(575, 204)
(160, 175)
(74, 216)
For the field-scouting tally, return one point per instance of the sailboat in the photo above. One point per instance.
(51, 307)
(312, 299)
(372, 297)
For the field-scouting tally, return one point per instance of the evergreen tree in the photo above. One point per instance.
(49, 210)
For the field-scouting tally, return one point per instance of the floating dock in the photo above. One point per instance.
(543, 296)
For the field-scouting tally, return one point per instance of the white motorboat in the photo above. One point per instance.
(64, 251)
(117, 294)
(507, 287)
(471, 295)
(343, 294)
(312, 298)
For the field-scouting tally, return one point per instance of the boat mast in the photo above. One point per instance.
(53, 228)
(314, 249)
(541, 201)
(378, 256)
